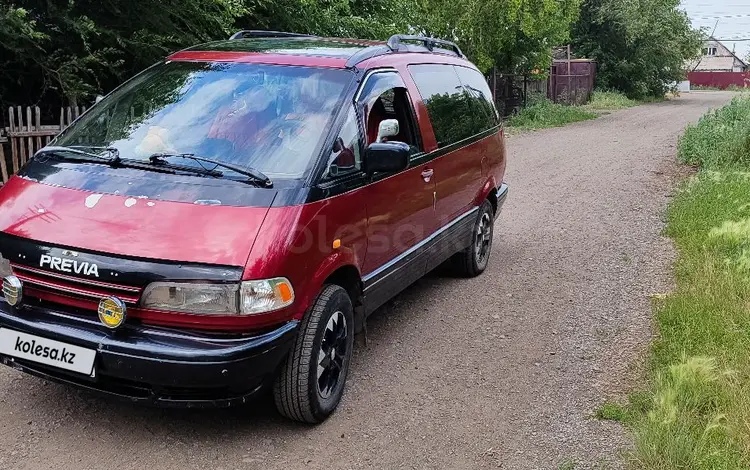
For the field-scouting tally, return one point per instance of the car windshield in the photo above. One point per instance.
(268, 117)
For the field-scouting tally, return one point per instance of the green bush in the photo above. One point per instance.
(720, 139)
(545, 113)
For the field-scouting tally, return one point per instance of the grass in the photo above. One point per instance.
(544, 114)
(720, 139)
(610, 100)
(695, 411)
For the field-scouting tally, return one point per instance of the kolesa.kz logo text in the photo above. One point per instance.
(30, 347)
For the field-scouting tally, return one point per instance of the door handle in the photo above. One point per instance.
(427, 174)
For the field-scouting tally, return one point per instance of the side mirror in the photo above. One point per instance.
(387, 128)
(386, 157)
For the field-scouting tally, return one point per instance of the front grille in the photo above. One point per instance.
(63, 286)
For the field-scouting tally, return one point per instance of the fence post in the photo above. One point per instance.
(13, 143)
(525, 89)
(21, 143)
(38, 116)
(3, 167)
(30, 149)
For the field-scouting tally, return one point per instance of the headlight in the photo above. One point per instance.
(245, 298)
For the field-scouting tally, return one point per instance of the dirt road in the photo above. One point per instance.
(503, 371)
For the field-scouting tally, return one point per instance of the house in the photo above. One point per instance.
(717, 58)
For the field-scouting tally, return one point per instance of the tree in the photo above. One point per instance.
(515, 35)
(73, 49)
(69, 50)
(641, 47)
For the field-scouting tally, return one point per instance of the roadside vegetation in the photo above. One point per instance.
(544, 113)
(541, 113)
(695, 412)
(605, 100)
(721, 139)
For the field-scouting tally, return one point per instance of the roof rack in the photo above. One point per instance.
(259, 33)
(394, 43)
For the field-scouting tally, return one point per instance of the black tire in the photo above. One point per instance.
(300, 391)
(473, 260)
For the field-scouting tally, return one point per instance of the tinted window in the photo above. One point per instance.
(475, 84)
(455, 110)
(272, 118)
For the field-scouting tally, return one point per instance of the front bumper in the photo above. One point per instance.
(156, 365)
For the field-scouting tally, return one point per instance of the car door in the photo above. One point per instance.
(460, 120)
(400, 207)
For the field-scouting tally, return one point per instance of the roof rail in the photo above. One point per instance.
(259, 33)
(394, 43)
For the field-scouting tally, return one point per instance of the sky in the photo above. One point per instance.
(733, 17)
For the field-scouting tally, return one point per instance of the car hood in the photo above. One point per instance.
(129, 226)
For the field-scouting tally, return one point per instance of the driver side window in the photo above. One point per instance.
(345, 156)
(385, 97)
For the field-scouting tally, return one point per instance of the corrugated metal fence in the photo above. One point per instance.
(572, 81)
(722, 80)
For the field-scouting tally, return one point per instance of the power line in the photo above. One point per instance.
(719, 17)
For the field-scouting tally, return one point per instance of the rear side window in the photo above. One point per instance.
(458, 110)
(481, 96)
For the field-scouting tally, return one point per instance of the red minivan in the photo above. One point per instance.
(224, 222)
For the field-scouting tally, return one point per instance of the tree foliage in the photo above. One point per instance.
(641, 47)
(69, 50)
(515, 35)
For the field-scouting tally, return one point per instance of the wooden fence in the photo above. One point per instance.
(26, 134)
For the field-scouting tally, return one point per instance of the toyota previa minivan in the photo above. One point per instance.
(224, 222)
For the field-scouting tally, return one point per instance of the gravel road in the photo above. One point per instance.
(502, 371)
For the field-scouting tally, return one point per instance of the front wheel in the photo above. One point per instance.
(311, 381)
(473, 260)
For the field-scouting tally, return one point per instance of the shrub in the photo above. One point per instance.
(720, 139)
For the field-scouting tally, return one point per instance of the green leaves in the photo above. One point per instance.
(68, 51)
(515, 35)
(641, 46)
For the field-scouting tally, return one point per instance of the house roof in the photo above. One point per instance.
(711, 38)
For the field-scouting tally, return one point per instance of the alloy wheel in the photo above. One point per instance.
(483, 239)
(332, 354)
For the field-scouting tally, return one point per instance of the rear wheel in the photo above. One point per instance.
(473, 260)
(311, 381)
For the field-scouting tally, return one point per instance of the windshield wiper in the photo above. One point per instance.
(256, 176)
(82, 155)
(113, 152)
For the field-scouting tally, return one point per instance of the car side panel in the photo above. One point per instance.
(493, 166)
(298, 242)
(458, 177)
